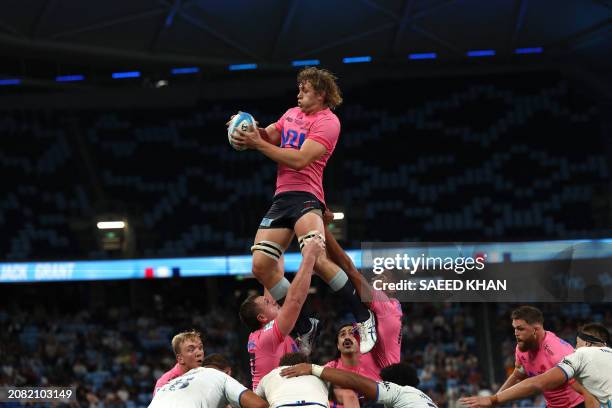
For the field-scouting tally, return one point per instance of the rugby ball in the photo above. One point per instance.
(241, 121)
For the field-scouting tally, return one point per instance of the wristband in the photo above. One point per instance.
(316, 370)
(494, 400)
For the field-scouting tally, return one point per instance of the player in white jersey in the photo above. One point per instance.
(590, 364)
(293, 392)
(205, 388)
(397, 390)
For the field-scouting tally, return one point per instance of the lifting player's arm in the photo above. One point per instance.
(292, 158)
(551, 379)
(248, 399)
(298, 291)
(336, 254)
(341, 378)
(516, 377)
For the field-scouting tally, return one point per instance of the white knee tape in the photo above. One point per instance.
(309, 235)
(268, 248)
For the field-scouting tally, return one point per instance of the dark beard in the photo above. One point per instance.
(528, 345)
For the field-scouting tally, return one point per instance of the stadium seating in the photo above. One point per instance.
(472, 159)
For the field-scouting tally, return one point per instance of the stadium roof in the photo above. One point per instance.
(275, 32)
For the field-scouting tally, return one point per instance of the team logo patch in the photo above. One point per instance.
(266, 222)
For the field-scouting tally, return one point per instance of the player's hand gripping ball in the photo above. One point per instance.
(241, 121)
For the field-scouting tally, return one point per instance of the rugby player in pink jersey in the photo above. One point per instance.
(271, 324)
(301, 142)
(189, 352)
(590, 364)
(538, 350)
(388, 312)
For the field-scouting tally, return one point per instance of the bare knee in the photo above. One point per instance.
(268, 263)
(265, 270)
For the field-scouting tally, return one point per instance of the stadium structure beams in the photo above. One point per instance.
(291, 9)
(44, 11)
(409, 17)
(432, 9)
(57, 50)
(396, 19)
(436, 39)
(401, 26)
(224, 38)
(582, 38)
(207, 34)
(347, 39)
(374, 5)
(171, 13)
(519, 20)
(164, 24)
(110, 22)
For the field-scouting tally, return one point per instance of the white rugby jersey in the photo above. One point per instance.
(306, 390)
(395, 396)
(591, 367)
(199, 388)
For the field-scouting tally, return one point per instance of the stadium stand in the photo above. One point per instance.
(455, 160)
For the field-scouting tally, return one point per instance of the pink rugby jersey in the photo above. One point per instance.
(296, 127)
(368, 367)
(266, 346)
(167, 377)
(388, 312)
(387, 349)
(549, 354)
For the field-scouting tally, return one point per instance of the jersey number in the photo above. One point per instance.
(181, 383)
(290, 138)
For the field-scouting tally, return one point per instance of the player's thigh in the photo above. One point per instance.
(311, 221)
(280, 236)
(266, 268)
(308, 223)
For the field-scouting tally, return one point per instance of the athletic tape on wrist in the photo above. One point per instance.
(316, 370)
